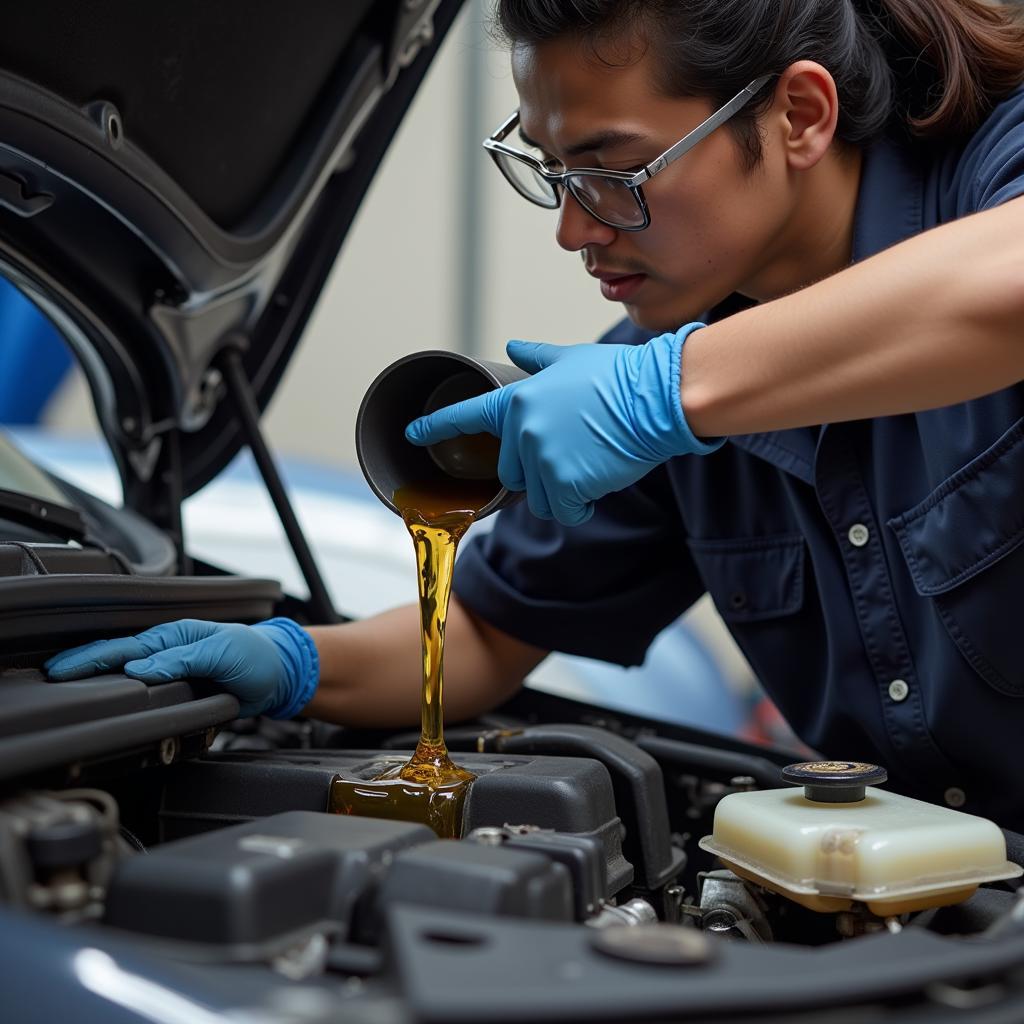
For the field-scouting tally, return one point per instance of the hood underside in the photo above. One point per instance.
(176, 182)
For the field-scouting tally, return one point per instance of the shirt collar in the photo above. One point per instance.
(890, 200)
(889, 210)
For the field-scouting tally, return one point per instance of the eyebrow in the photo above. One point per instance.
(592, 143)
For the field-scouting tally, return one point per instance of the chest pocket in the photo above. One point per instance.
(964, 548)
(752, 579)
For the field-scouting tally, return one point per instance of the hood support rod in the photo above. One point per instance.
(230, 362)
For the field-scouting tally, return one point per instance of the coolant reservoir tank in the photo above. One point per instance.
(840, 840)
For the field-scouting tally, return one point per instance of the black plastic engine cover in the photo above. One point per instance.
(251, 891)
(480, 879)
(255, 888)
(568, 794)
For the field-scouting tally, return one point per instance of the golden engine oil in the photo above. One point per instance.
(429, 788)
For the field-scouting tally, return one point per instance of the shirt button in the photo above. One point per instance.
(898, 690)
(859, 535)
(955, 796)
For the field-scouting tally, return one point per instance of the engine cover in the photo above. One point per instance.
(570, 795)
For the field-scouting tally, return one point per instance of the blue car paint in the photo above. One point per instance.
(34, 357)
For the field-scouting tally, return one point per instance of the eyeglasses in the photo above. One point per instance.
(614, 198)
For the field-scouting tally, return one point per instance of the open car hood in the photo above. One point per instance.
(176, 182)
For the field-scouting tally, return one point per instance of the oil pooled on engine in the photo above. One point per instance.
(429, 788)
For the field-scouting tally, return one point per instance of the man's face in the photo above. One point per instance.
(714, 223)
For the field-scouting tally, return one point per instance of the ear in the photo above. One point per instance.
(806, 110)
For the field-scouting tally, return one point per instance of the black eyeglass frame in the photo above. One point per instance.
(496, 147)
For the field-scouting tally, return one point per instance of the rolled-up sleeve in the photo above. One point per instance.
(990, 169)
(603, 590)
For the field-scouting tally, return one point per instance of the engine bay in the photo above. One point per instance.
(214, 862)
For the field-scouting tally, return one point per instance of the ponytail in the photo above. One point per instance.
(931, 67)
(952, 60)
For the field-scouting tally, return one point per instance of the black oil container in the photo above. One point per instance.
(414, 386)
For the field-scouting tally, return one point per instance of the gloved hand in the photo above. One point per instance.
(593, 419)
(272, 667)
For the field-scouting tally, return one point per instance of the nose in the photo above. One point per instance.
(577, 229)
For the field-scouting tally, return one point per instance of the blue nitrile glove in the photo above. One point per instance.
(272, 667)
(593, 419)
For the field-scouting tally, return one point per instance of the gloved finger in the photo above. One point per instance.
(568, 506)
(178, 632)
(484, 414)
(533, 356)
(510, 468)
(201, 660)
(537, 495)
(571, 512)
(110, 655)
(206, 659)
(96, 657)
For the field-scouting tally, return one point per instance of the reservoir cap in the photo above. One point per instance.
(834, 782)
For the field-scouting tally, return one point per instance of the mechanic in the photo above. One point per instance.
(844, 244)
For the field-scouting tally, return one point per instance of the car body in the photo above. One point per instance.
(175, 213)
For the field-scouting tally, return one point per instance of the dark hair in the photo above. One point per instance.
(936, 67)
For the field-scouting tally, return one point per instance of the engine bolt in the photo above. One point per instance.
(719, 921)
(674, 896)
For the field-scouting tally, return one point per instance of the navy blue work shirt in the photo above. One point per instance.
(872, 572)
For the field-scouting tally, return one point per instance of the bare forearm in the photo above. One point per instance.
(934, 321)
(371, 671)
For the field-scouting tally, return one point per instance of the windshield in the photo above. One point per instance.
(17, 473)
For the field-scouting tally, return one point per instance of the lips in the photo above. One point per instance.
(618, 287)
